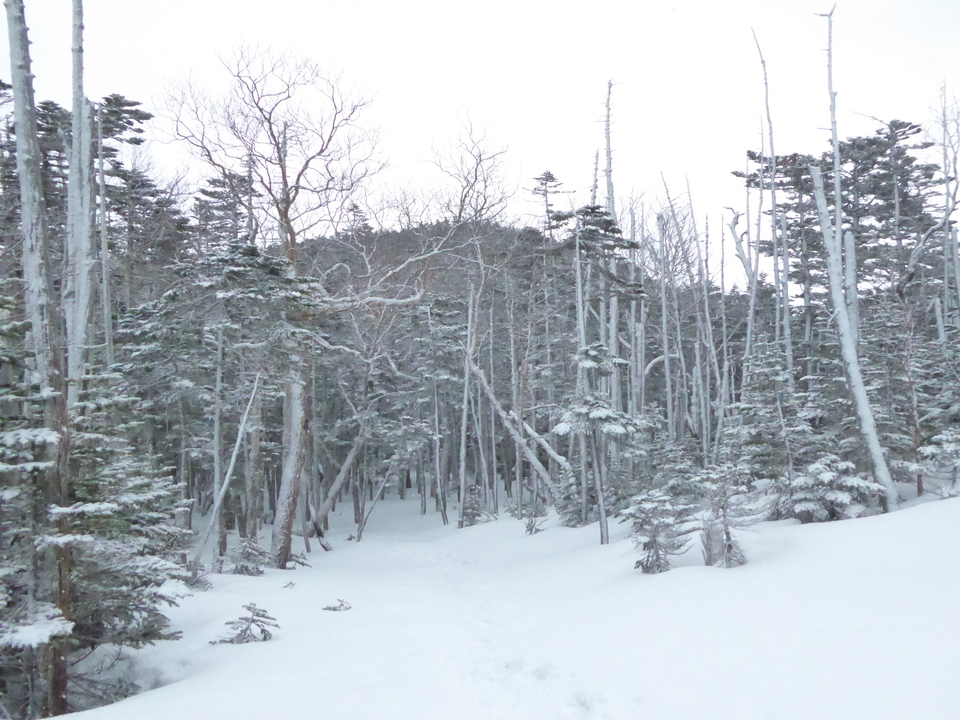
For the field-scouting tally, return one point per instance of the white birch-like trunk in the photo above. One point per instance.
(787, 317)
(778, 223)
(850, 284)
(582, 385)
(723, 386)
(868, 425)
(582, 380)
(438, 458)
(513, 425)
(45, 335)
(476, 406)
(613, 339)
(599, 471)
(467, 359)
(78, 268)
(294, 420)
(106, 305)
(222, 484)
(633, 388)
(641, 341)
(664, 331)
(493, 425)
(216, 518)
(848, 250)
(951, 250)
(516, 402)
(955, 253)
(253, 472)
(319, 514)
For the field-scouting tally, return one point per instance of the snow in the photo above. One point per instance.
(850, 620)
(89, 509)
(24, 438)
(47, 623)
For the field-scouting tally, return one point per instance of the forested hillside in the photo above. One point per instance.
(284, 339)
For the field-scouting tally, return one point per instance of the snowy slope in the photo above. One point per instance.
(849, 620)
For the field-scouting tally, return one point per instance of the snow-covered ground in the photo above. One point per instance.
(857, 619)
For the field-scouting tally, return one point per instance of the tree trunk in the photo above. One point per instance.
(868, 425)
(513, 428)
(42, 314)
(664, 330)
(253, 472)
(320, 514)
(599, 471)
(78, 268)
(105, 294)
(294, 420)
(223, 486)
(218, 519)
(465, 410)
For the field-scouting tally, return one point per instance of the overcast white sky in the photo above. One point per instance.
(688, 88)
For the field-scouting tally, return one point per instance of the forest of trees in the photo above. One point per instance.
(269, 346)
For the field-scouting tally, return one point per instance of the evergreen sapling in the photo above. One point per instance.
(661, 528)
(254, 627)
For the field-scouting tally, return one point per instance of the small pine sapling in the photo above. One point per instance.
(248, 557)
(568, 503)
(661, 526)
(728, 491)
(473, 507)
(941, 457)
(249, 628)
(534, 525)
(296, 559)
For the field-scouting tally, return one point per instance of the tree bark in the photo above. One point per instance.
(78, 268)
(319, 514)
(253, 472)
(105, 290)
(224, 483)
(46, 340)
(868, 425)
(217, 518)
(294, 420)
(465, 410)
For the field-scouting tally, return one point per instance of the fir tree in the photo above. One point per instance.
(662, 525)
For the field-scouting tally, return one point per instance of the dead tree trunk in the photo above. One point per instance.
(42, 313)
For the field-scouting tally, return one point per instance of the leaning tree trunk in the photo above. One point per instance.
(868, 425)
(849, 258)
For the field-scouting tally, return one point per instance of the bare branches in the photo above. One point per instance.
(479, 192)
(292, 128)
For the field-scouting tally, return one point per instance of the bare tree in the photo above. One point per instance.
(42, 313)
(848, 345)
(841, 276)
(296, 134)
(478, 191)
